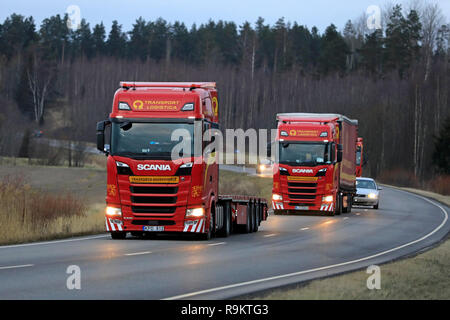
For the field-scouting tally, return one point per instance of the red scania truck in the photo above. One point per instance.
(150, 187)
(315, 163)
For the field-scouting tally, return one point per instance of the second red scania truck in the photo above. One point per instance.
(154, 187)
(316, 163)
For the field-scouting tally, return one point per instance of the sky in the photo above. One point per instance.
(319, 13)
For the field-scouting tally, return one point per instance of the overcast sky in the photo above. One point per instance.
(318, 13)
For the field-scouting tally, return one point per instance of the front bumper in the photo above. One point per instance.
(364, 201)
(188, 225)
(325, 206)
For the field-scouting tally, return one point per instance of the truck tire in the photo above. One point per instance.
(118, 235)
(252, 217)
(256, 217)
(226, 229)
(375, 206)
(338, 209)
(247, 225)
(349, 204)
(209, 231)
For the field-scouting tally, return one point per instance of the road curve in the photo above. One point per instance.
(287, 249)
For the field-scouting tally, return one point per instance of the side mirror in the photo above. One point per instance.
(101, 135)
(339, 153)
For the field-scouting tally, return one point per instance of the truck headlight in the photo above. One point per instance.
(195, 212)
(113, 212)
(327, 199)
(277, 197)
(372, 196)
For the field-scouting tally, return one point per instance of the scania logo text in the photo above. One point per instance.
(302, 170)
(160, 167)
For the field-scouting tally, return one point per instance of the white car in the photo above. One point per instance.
(367, 193)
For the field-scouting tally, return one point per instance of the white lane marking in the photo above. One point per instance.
(187, 295)
(51, 242)
(345, 218)
(216, 244)
(137, 253)
(270, 235)
(14, 267)
(303, 229)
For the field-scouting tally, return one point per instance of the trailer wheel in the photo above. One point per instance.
(349, 204)
(226, 229)
(117, 235)
(247, 225)
(256, 217)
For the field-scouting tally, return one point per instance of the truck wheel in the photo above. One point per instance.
(117, 235)
(252, 217)
(207, 236)
(349, 204)
(338, 209)
(256, 218)
(226, 229)
(247, 225)
(375, 206)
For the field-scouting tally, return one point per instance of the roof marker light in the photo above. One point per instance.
(188, 107)
(124, 106)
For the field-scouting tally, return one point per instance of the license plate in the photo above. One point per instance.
(301, 208)
(153, 228)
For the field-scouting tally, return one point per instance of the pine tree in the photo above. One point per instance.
(372, 52)
(116, 45)
(334, 51)
(98, 39)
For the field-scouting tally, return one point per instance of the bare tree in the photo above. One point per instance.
(40, 76)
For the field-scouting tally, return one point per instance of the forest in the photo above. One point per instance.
(394, 80)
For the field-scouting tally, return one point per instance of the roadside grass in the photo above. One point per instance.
(424, 276)
(242, 184)
(30, 214)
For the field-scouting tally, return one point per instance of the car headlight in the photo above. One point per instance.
(262, 167)
(113, 212)
(277, 197)
(195, 212)
(372, 196)
(327, 199)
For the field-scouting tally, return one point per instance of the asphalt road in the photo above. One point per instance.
(287, 249)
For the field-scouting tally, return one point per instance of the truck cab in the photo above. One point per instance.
(149, 188)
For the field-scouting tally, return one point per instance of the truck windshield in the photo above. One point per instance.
(147, 140)
(304, 154)
(365, 184)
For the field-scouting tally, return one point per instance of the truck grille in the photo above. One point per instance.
(154, 190)
(145, 209)
(302, 191)
(153, 200)
(153, 222)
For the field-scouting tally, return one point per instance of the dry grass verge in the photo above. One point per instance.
(30, 214)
